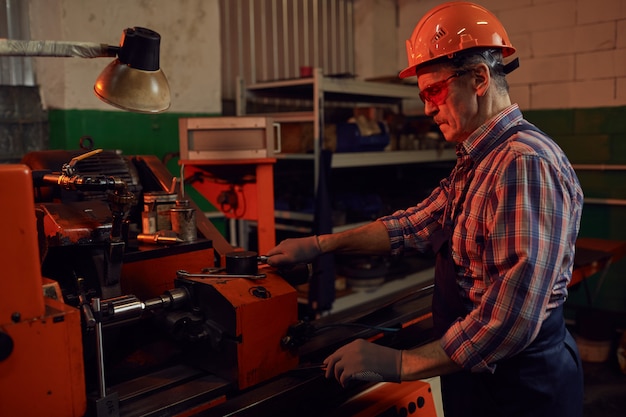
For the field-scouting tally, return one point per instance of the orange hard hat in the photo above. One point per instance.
(453, 27)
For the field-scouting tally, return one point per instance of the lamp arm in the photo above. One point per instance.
(11, 47)
(133, 81)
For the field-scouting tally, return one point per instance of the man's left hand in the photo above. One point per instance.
(364, 361)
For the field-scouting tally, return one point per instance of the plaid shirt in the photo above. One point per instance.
(513, 238)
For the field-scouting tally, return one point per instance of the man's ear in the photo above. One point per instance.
(482, 79)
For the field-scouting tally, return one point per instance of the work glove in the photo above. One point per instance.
(294, 251)
(364, 361)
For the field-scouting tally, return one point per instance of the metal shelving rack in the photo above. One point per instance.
(320, 91)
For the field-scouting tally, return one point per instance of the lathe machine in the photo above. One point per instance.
(102, 314)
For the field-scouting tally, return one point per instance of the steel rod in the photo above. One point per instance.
(95, 304)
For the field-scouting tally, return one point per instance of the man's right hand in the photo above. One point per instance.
(294, 251)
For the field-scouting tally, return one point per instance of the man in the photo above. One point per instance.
(503, 225)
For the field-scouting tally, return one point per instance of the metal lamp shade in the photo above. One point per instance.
(133, 89)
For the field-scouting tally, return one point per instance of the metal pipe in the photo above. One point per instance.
(84, 182)
(263, 34)
(306, 57)
(342, 36)
(171, 299)
(285, 57)
(324, 25)
(182, 181)
(12, 47)
(599, 167)
(295, 29)
(607, 201)
(129, 307)
(316, 43)
(240, 44)
(349, 39)
(275, 39)
(333, 35)
(602, 167)
(229, 80)
(251, 37)
(126, 307)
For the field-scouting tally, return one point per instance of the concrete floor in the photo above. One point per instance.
(605, 389)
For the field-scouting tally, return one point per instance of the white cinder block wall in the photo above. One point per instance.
(572, 52)
(190, 48)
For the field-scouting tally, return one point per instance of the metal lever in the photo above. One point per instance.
(68, 169)
(90, 320)
(105, 405)
(185, 274)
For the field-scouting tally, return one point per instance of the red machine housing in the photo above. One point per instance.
(41, 372)
(253, 317)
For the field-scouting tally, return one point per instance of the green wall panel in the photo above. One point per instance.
(595, 136)
(605, 120)
(132, 133)
(553, 122)
(585, 148)
(603, 184)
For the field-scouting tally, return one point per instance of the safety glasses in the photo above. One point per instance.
(437, 93)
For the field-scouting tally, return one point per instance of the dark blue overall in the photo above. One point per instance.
(545, 379)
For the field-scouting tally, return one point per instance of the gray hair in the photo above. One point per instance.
(468, 60)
